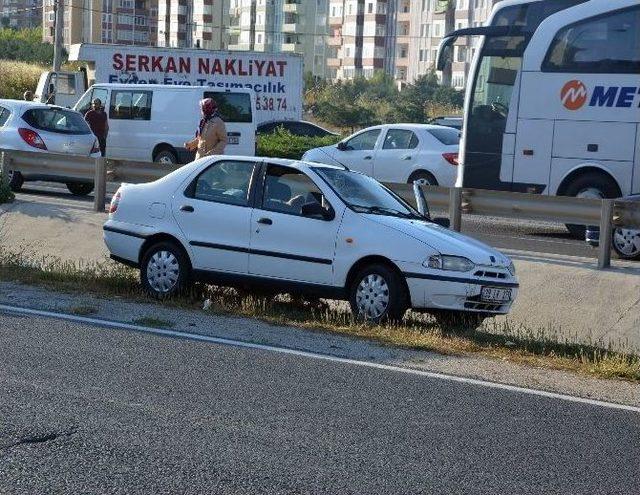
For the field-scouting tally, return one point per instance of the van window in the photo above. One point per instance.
(84, 104)
(65, 83)
(130, 105)
(604, 44)
(233, 107)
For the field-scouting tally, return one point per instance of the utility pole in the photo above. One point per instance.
(58, 11)
(449, 25)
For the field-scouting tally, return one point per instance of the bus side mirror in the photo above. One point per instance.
(445, 52)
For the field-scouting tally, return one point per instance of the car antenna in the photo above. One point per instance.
(335, 159)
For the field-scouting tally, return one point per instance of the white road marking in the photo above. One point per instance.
(312, 355)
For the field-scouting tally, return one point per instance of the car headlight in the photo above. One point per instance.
(512, 269)
(451, 263)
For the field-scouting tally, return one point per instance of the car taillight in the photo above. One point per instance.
(115, 201)
(96, 147)
(32, 138)
(452, 158)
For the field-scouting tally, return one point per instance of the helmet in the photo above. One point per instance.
(208, 106)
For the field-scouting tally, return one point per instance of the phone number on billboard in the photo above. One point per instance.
(265, 103)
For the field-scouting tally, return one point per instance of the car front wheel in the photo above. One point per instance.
(164, 271)
(377, 294)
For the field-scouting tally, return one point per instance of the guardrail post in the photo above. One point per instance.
(455, 208)
(606, 232)
(100, 185)
(3, 177)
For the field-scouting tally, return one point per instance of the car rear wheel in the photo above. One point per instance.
(79, 188)
(378, 294)
(164, 271)
(423, 178)
(166, 156)
(626, 243)
(457, 321)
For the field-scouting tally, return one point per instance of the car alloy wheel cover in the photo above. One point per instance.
(372, 296)
(423, 182)
(165, 160)
(163, 271)
(627, 241)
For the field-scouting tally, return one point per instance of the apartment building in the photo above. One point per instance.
(421, 28)
(19, 14)
(362, 38)
(295, 26)
(399, 37)
(126, 22)
(197, 23)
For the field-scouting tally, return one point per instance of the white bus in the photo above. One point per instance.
(553, 99)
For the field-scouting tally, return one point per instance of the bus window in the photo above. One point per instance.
(604, 44)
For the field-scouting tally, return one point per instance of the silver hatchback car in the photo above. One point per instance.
(29, 126)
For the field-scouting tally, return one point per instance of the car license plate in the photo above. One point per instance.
(233, 140)
(495, 294)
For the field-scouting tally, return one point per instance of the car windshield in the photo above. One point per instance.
(364, 194)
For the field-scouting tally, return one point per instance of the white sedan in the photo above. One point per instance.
(305, 228)
(423, 153)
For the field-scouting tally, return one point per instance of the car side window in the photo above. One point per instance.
(363, 141)
(4, 116)
(286, 190)
(223, 182)
(400, 139)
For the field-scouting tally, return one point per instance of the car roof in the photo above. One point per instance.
(413, 127)
(16, 104)
(285, 162)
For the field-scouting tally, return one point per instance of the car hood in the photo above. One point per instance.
(323, 154)
(445, 241)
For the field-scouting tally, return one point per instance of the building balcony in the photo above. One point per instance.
(402, 61)
(335, 21)
(404, 16)
(239, 47)
(292, 47)
(334, 41)
(334, 62)
(402, 39)
(291, 27)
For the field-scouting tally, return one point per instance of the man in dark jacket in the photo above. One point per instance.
(99, 124)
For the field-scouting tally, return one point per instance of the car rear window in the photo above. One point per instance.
(447, 137)
(233, 107)
(56, 120)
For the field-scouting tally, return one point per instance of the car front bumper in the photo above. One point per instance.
(460, 292)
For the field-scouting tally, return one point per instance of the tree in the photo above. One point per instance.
(25, 45)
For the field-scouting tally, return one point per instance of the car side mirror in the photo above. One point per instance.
(315, 209)
(342, 146)
(442, 221)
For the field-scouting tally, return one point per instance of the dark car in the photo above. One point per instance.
(625, 242)
(295, 127)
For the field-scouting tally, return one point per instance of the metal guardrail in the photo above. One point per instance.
(606, 213)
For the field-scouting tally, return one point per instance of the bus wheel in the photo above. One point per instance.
(592, 185)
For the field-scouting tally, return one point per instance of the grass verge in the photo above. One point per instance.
(502, 341)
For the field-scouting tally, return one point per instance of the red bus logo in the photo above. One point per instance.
(573, 94)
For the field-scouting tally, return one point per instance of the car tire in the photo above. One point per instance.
(378, 294)
(79, 188)
(423, 177)
(457, 321)
(166, 156)
(626, 244)
(16, 180)
(590, 185)
(164, 270)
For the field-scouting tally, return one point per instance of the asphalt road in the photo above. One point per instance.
(503, 233)
(85, 409)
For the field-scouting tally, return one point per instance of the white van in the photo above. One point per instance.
(151, 122)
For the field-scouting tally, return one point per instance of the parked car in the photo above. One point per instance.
(625, 242)
(424, 153)
(295, 127)
(307, 228)
(455, 122)
(29, 126)
(152, 122)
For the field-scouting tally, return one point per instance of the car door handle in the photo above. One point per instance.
(266, 221)
(408, 157)
(369, 157)
(187, 208)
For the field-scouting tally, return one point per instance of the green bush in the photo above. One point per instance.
(18, 77)
(283, 144)
(6, 196)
